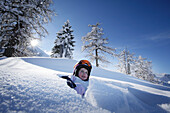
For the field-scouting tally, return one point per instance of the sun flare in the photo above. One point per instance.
(34, 42)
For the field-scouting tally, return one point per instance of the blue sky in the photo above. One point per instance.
(143, 26)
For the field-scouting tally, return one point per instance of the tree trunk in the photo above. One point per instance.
(8, 52)
(129, 72)
(61, 51)
(97, 64)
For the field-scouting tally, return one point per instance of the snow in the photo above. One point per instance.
(39, 52)
(32, 85)
(166, 107)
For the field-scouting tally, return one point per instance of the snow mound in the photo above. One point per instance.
(25, 87)
(31, 85)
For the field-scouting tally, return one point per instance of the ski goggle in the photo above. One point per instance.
(84, 62)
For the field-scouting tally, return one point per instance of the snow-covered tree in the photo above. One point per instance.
(20, 21)
(149, 73)
(94, 43)
(64, 43)
(57, 50)
(69, 42)
(126, 60)
(139, 67)
(143, 69)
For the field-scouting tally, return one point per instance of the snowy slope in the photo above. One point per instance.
(31, 85)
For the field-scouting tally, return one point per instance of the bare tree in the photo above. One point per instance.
(126, 60)
(94, 43)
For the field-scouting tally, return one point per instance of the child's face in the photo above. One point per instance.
(83, 74)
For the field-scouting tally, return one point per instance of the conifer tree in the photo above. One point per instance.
(57, 50)
(94, 43)
(64, 43)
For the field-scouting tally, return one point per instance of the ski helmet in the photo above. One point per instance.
(82, 64)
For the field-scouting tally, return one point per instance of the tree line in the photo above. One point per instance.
(95, 45)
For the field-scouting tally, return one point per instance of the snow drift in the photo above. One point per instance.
(32, 85)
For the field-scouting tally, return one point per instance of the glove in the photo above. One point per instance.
(71, 83)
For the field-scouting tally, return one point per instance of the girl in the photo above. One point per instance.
(80, 78)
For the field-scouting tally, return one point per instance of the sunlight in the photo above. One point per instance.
(34, 42)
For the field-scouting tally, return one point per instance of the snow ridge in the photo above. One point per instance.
(32, 85)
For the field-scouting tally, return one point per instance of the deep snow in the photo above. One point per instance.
(32, 85)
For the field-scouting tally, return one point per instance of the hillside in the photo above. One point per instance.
(32, 85)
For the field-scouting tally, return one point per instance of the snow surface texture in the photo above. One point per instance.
(32, 85)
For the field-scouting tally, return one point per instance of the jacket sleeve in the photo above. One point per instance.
(71, 84)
